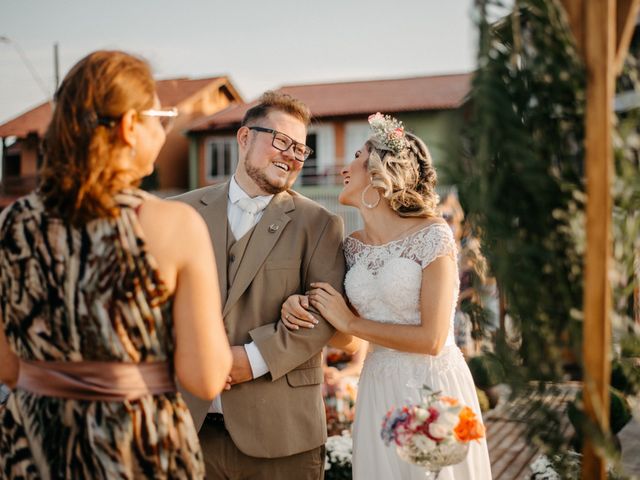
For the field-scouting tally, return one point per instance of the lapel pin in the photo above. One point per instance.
(273, 228)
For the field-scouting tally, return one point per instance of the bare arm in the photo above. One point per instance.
(202, 356)
(436, 297)
(348, 343)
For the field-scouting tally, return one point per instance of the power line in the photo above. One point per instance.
(28, 64)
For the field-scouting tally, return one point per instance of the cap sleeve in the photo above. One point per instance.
(434, 242)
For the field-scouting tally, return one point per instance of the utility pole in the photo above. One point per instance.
(56, 66)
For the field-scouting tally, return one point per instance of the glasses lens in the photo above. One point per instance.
(281, 142)
(165, 116)
(301, 152)
(167, 122)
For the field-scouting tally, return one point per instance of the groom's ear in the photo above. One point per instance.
(242, 136)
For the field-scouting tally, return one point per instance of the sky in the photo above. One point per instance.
(260, 45)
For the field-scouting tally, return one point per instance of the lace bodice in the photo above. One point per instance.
(383, 281)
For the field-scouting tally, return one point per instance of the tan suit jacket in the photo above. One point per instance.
(296, 242)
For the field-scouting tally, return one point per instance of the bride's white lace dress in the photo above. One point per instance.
(383, 284)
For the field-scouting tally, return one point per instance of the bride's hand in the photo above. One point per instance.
(294, 314)
(331, 305)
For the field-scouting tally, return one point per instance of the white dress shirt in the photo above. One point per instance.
(234, 215)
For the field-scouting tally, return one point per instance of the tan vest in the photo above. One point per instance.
(235, 252)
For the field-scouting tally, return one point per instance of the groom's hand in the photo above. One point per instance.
(241, 368)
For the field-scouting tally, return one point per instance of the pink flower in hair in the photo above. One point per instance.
(375, 116)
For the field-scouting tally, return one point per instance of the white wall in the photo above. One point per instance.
(356, 133)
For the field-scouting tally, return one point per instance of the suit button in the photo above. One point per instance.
(232, 258)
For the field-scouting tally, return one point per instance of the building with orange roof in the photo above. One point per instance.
(194, 98)
(433, 107)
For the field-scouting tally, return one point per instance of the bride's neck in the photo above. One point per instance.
(382, 224)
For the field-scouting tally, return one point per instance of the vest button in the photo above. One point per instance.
(232, 258)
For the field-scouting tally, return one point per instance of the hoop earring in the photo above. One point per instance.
(370, 206)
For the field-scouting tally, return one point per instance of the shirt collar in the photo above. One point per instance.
(236, 192)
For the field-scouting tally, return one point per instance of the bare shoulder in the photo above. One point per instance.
(173, 220)
(358, 235)
(433, 221)
(170, 210)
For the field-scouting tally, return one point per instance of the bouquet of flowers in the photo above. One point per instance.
(434, 433)
(337, 463)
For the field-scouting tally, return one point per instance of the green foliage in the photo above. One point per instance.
(486, 370)
(619, 416)
(630, 346)
(521, 178)
(483, 400)
(625, 375)
(521, 181)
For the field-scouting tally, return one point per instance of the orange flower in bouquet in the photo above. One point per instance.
(468, 428)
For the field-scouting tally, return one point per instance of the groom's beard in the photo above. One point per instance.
(261, 180)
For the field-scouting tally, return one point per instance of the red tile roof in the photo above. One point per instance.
(361, 98)
(170, 92)
(35, 120)
(173, 91)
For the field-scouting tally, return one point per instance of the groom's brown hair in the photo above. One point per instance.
(277, 101)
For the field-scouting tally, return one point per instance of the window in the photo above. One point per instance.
(221, 156)
(319, 168)
(309, 174)
(11, 163)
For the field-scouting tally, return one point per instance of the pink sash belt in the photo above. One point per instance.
(102, 381)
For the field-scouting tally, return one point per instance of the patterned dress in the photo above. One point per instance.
(88, 294)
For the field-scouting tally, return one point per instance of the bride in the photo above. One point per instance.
(402, 281)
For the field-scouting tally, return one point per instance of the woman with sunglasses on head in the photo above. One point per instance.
(402, 284)
(107, 295)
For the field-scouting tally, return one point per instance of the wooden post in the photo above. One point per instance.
(602, 30)
(575, 14)
(626, 14)
(599, 51)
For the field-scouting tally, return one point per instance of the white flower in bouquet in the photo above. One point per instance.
(422, 442)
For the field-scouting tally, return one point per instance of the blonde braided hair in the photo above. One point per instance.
(406, 179)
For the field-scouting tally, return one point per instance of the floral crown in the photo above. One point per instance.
(389, 132)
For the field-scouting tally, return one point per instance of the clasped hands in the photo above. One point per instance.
(294, 314)
(326, 300)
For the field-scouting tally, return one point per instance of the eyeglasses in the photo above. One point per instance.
(167, 116)
(284, 142)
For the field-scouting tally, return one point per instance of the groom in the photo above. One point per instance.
(269, 242)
